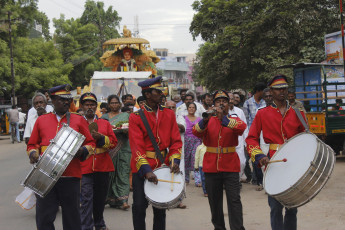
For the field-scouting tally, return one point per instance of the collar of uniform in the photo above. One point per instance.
(149, 109)
(95, 118)
(57, 116)
(275, 106)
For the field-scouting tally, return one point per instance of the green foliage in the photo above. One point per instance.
(80, 40)
(245, 41)
(38, 65)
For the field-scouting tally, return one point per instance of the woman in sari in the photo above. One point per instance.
(119, 179)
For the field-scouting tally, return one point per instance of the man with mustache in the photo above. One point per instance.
(221, 163)
(278, 123)
(66, 191)
(95, 170)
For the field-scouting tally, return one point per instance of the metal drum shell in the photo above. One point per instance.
(167, 205)
(313, 180)
(46, 172)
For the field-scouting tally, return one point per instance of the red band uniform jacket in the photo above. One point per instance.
(45, 129)
(275, 127)
(101, 160)
(166, 133)
(220, 134)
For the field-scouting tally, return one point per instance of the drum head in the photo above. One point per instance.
(299, 152)
(161, 193)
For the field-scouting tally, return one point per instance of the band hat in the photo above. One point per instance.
(278, 82)
(153, 83)
(63, 91)
(220, 94)
(87, 97)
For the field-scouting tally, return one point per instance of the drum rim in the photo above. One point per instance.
(167, 205)
(305, 174)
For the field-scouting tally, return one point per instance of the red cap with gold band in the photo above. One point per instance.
(61, 91)
(220, 94)
(278, 82)
(87, 97)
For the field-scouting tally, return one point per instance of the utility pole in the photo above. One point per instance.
(11, 53)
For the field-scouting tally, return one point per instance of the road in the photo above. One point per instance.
(326, 211)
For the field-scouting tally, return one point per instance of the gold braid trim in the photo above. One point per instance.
(140, 159)
(107, 144)
(198, 129)
(253, 151)
(34, 151)
(175, 156)
(232, 123)
(90, 150)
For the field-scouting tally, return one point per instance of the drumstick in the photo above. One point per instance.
(172, 176)
(176, 182)
(283, 160)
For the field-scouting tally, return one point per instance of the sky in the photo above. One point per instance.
(164, 23)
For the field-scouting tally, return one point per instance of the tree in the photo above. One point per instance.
(245, 41)
(38, 65)
(107, 21)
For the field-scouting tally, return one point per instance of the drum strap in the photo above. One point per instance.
(300, 117)
(152, 138)
(68, 117)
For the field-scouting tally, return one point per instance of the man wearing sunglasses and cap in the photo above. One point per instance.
(278, 123)
(66, 191)
(221, 163)
(95, 169)
(144, 160)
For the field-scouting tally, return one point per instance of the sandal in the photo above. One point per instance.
(259, 188)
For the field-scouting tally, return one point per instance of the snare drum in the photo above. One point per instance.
(309, 165)
(160, 195)
(53, 162)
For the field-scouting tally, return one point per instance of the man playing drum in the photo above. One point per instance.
(162, 121)
(221, 163)
(278, 123)
(95, 169)
(66, 192)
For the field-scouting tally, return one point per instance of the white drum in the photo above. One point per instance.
(160, 195)
(53, 162)
(309, 165)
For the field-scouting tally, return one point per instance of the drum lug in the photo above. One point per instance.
(312, 164)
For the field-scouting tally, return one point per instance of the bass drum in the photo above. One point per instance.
(309, 165)
(160, 195)
(53, 162)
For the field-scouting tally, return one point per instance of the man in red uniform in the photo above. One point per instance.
(66, 192)
(95, 169)
(221, 163)
(162, 121)
(278, 123)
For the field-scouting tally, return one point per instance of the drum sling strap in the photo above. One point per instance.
(152, 138)
(300, 117)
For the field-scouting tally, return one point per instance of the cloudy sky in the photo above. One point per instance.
(164, 23)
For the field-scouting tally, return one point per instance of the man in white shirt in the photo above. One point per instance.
(233, 110)
(39, 102)
(189, 98)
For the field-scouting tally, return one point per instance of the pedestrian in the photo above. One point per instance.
(95, 169)
(119, 187)
(293, 102)
(278, 123)
(163, 124)
(39, 103)
(182, 97)
(221, 163)
(199, 158)
(191, 142)
(189, 98)
(250, 107)
(66, 191)
(13, 118)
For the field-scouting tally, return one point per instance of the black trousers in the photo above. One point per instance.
(214, 187)
(94, 188)
(66, 193)
(140, 205)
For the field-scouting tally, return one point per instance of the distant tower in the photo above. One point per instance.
(136, 26)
